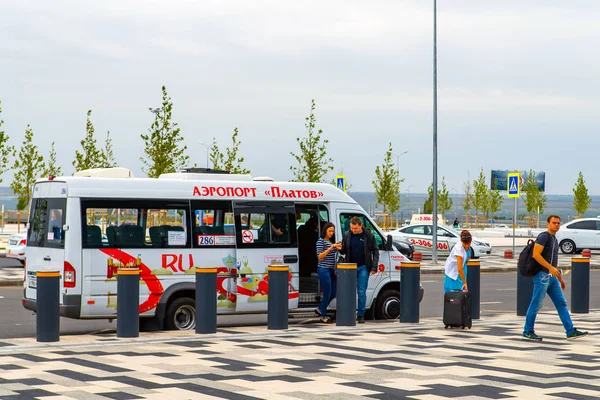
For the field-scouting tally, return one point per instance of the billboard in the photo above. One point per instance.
(500, 177)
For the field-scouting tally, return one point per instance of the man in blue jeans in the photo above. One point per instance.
(548, 280)
(360, 247)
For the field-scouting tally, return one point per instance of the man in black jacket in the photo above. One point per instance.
(360, 247)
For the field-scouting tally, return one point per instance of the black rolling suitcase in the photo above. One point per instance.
(457, 309)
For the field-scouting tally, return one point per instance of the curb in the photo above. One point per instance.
(11, 282)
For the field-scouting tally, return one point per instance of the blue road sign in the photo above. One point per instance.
(514, 185)
(341, 182)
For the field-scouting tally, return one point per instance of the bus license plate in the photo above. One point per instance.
(32, 282)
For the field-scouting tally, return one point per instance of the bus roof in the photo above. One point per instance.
(214, 189)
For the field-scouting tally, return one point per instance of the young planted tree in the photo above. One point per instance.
(428, 203)
(28, 167)
(164, 151)
(581, 199)
(467, 202)
(108, 158)
(480, 194)
(534, 199)
(387, 183)
(444, 202)
(228, 161)
(52, 168)
(495, 201)
(5, 149)
(313, 163)
(90, 156)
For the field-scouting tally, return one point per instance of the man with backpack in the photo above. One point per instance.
(548, 279)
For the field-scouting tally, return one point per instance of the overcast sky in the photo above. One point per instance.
(518, 85)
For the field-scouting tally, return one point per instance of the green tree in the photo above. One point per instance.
(581, 199)
(428, 203)
(534, 199)
(444, 202)
(313, 163)
(108, 158)
(495, 201)
(467, 202)
(5, 149)
(164, 151)
(52, 168)
(387, 183)
(228, 161)
(28, 167)
(480, 194)
(91, 156)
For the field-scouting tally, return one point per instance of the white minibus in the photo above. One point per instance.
(86, 227)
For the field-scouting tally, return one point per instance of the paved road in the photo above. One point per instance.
(498, 295)
(9, 262)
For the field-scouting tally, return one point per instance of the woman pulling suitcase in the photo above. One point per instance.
(457, 299)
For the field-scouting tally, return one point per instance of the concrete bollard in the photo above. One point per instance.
(524, 293)
(580, 285)
(410, 283)
(278, 292)
(474, 284)
(47, 317)
(345, 313)
(128, 302)
(206, 300)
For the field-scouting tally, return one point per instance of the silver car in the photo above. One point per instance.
(16, 247)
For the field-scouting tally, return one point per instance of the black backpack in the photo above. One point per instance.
(526, 264)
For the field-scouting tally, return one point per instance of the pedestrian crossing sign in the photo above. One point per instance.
(514, 185)
(340, 182)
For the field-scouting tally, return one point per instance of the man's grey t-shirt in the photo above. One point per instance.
(550, 252)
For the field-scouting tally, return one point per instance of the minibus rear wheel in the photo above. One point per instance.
(181, 314)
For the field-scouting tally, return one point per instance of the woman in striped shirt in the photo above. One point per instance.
(327, 251)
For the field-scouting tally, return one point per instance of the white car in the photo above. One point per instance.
(579, 234)
(16, 246)
(420, 236)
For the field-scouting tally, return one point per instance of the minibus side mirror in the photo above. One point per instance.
(389, 243)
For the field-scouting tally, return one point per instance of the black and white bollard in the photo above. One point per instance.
(580, 285)
(410, 283)
(524, 293)
(206, 300)
(345, 309)
(474, 284)
(47, 317)
(278, 292)
(128, 302)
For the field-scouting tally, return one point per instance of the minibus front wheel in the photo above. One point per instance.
(181, 314)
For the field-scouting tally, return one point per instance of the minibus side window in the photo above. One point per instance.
(345, 223)
(214, 226)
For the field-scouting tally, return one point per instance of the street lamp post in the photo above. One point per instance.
(205, 145)
(398, 171)
(435, 191)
